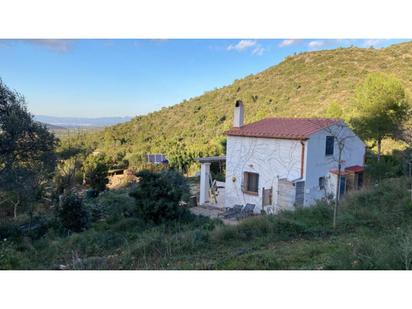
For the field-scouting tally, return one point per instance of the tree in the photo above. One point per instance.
(95, 169)
(73, 214)
(158, 195)
(381, 108)
(67, 174)
(27, 159)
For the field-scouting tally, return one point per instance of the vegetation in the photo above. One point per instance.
(73, 215)
(27, 159)
(373, 233)
(159, 196)
(382, 108)
(95, 170)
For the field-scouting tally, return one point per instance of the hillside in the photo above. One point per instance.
(301, 85)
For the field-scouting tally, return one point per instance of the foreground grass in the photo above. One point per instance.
(374, 233)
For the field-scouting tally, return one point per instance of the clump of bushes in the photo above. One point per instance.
(386, 167)
(95, 168)
(386, 204)
(111, 206)
(160, 196)
(73, 214)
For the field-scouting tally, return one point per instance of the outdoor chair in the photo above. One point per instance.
(232, 212)
(246, 211)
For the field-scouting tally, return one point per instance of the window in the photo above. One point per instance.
(330, 141)
(251, 183)
(322, 181)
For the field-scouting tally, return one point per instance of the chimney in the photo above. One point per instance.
(238, 116)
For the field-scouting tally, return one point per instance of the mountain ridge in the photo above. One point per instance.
(302, 85)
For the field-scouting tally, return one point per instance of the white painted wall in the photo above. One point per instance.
(270, 158)
(318, 164)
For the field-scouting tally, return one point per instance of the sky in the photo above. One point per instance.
(105, 78)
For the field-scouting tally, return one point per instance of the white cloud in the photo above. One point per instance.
(287, 43)
(372, 42)
(242, 45)
(258, 51)
(315, 44)
(61, 46)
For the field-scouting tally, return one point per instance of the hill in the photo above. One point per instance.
(302, 85)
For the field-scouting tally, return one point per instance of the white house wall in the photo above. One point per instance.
(318, 164)
(270, 158)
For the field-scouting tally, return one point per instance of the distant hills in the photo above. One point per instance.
(79, 122)
(302, 85)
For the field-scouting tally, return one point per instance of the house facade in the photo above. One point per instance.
(283, 163)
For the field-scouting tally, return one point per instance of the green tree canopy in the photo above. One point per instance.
(27, 159)
(381, 108)
(95, 168)
(158, 196)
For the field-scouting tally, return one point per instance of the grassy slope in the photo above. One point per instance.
(302, 85)
(374, 232)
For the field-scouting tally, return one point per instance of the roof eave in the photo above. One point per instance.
(297, 138)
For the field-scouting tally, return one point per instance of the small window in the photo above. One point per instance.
(322, 181)
(251, 183)
(330, 141)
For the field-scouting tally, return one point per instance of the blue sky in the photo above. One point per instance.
(96, 78)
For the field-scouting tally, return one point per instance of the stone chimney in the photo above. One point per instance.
(239, 114)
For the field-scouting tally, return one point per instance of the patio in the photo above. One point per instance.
(213, 213)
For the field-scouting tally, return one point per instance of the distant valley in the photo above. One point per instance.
(79, 122)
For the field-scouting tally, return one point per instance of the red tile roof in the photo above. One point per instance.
(354, 169)
(349, 170)
(284, 128)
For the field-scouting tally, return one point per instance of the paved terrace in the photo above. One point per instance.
(213, 213)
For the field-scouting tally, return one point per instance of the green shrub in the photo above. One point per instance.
(387, 167)
(10, 257)
(111, 206)
(132, 225)
(95, 168)
(386, 204)
(159, 196)
(9, 230)
(93, 243)
(73, 214)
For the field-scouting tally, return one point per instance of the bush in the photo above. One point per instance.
(159, 195)
(9, 230)
(73, 215)
(387, 167)
(95, 169)
(111, 206)
(386, 204)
